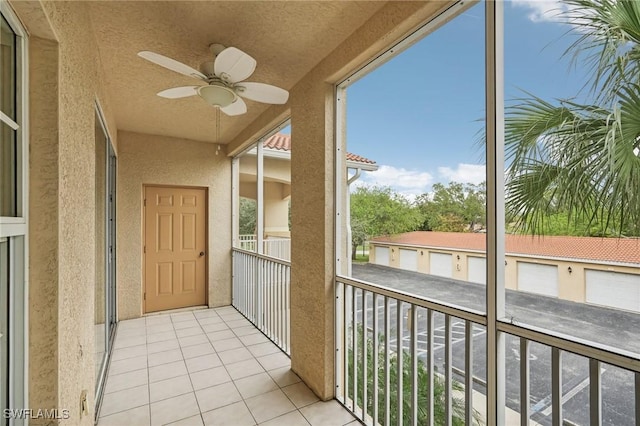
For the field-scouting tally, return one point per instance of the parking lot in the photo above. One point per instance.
(606, 326)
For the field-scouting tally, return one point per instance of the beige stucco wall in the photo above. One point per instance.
(43, 224)
(156, 160)
(64, 86)
(276, 209)
(423, 260)
(571, 285)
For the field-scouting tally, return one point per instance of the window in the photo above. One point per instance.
(549, 298)
(8, 188)
(13, 221)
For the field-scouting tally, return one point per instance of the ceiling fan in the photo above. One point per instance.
(224, 76)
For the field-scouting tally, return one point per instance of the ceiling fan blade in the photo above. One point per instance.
(179, 92)
(171, 64)
(236, 108)
(234, 65)
(261, 92)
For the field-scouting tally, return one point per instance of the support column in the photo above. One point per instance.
(276, 209)
(43, 225)
(312, 245)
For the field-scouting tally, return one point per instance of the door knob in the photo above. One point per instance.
(201, 253)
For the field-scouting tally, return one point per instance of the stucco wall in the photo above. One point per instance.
(64, 87)
(43, 224)
(148, 159)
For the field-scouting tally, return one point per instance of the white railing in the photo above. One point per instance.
(272, 246)
(261, 293)
(248, 242)
(443, 366)
(278, 247)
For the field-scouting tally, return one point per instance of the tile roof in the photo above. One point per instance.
(619, 250)
(278, 141)
(282, 142)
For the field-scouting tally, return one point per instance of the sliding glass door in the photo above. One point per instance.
(105, 311)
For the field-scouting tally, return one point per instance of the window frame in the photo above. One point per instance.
(16, 225)
(15, 229)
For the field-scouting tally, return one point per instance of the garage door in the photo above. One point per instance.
(536, 278)
(409, 259)
(477, 270)
(440, 264)
(613, 289)
(382, 256)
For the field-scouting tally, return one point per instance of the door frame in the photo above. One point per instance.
(144, 239)
(109, 227)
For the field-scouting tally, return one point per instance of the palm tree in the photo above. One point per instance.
(583, 159)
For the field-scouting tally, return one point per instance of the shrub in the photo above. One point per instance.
(458, 404)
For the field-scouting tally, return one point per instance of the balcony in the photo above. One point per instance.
(92, 136)
(441, 350)
(206, 367)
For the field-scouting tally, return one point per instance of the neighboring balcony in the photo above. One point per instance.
(278, 247)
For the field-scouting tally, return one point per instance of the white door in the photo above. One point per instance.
(409, 259)
(538, 278)
(613, 289)
(440, 264)
(477, 269)
(382, 256)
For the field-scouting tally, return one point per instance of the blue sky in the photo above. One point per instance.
(418, 114)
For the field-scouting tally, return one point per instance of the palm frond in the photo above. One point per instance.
(574, 158)
(608, 42)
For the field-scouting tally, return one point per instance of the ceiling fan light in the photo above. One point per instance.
(217, 95)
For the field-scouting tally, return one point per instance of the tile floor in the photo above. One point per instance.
(206, 367)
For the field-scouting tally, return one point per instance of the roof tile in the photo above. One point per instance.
(619, 250)
(282, 142)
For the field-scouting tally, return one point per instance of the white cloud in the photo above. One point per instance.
(542, 10)
(464, 173)
(411, 183)
(407, 182)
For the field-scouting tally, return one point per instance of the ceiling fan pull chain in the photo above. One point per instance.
(217, 125)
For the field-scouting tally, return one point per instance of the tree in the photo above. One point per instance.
(380, 211)
(247, 216)
(560, 224)
(582, 160)
(453, 208)
(358, 235)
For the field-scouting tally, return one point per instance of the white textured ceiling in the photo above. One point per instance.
(287, 39)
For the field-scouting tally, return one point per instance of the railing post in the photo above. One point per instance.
(525, 393)
(556, 386)
(595, 397)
